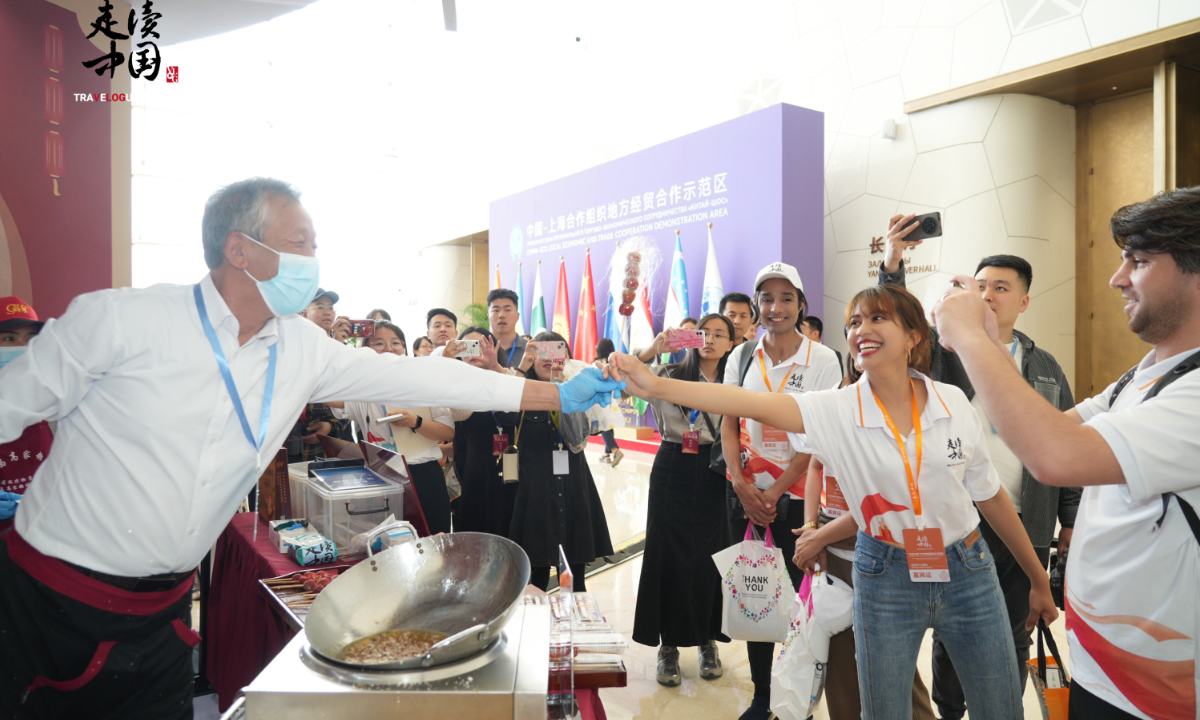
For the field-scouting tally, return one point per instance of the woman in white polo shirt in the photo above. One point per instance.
(912, 463)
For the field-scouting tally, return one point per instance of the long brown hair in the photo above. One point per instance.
(901, 306)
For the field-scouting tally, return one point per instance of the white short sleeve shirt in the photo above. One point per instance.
(766, 451)
(848, 434)
(367, 416)
(1133, 588)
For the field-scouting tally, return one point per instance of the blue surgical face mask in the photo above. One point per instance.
(292, 288)
(8, 354)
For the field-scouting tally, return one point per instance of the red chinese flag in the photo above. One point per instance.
(562, 305)
(585, 332)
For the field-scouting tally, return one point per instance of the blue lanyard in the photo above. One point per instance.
(692, 419)
(268, 394)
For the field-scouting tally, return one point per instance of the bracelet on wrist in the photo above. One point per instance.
(811, 524)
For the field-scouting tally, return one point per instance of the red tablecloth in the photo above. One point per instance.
(243, 633)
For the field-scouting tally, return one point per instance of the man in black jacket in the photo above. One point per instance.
(1004, 282)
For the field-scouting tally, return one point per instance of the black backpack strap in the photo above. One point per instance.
(1183, 368)
(1188, 512)
(1121, 385)
(744, 363)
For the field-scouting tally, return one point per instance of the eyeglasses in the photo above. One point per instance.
(714, 335)
(321, 306)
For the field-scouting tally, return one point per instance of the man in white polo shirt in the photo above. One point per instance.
(1134, 571)
(771, 473)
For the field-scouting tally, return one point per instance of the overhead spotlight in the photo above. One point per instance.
(450, 14)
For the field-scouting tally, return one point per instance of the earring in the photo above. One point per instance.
(908, 356)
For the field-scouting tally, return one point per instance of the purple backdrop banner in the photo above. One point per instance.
(758, 179)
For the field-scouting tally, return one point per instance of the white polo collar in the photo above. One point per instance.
(869, 414)
(223, 319)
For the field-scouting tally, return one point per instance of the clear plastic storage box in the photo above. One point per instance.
(346, 501)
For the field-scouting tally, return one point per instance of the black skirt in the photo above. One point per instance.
(553, 510)
(679, 594)
(486, 503)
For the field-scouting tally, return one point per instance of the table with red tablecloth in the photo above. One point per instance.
(243, 633)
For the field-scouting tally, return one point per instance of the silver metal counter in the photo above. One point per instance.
(507, 682)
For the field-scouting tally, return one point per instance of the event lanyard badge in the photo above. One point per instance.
(924, 547)
(774, 440)
(691, 438)
(223, 364)
(561, 460)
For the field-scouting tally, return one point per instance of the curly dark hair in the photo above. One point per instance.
(1169, 222)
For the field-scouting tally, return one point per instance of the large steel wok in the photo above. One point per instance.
(464, 585)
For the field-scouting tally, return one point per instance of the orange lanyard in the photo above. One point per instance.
(762, 365)
(913, 491)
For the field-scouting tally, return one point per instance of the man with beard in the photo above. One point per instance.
(1134, 569)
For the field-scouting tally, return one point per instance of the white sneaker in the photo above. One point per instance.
(616, 457)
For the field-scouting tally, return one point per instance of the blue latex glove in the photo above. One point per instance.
(8, 505)
(586, 389)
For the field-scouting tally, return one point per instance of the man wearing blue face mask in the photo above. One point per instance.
(171, 400)
(19, 459)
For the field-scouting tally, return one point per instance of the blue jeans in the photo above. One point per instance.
(892, 613)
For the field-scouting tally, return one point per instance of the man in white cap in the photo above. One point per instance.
(770, 473)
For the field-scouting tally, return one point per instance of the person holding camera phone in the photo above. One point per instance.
(557, 502)
(679, 592)
(486, 503)
(764, 471)
(1003, 281)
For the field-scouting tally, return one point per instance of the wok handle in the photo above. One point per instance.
(428, 659)
(391, 526)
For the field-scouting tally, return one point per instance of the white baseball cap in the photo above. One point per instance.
(783, 271)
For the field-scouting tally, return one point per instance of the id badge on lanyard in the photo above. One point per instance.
(691, 438)
(774, 441)
(925, 551)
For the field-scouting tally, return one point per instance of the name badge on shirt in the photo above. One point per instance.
(499, 444)
(926, 555)
(562, 465)
(691, 442)
(774, 440)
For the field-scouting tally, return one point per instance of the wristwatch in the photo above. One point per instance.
(418, 425)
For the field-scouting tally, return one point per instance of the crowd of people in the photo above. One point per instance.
(960, 435)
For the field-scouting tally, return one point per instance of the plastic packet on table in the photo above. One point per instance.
(610, 643)
(283, 530)
(312, 549)
(395, 536)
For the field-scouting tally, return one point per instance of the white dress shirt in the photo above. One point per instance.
(150, 461)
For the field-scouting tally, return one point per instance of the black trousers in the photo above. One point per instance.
(1014, 584)
(101, 665)
(430, 484)
(1086, 706)
(762, 654)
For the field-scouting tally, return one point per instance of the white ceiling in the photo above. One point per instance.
(184, 20)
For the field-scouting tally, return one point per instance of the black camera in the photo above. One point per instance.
(929, 225)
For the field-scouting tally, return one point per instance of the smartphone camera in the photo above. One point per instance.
(362, 328)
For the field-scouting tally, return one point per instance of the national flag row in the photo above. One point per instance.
(586, 336)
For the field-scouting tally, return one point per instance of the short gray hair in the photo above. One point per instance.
(240, 206)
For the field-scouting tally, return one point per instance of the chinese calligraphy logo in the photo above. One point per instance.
(144, 59)
(876, 245)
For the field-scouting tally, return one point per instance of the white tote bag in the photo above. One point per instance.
(754, 589)
(797, 677)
